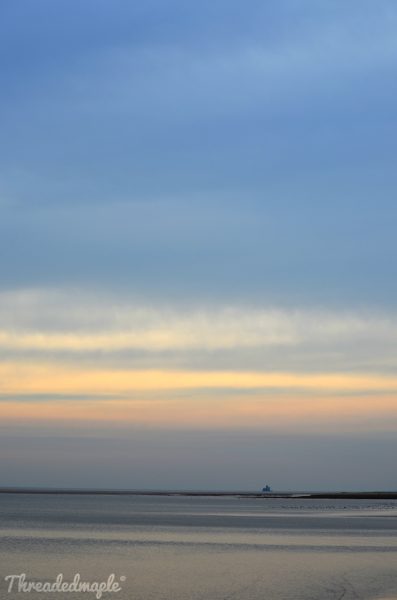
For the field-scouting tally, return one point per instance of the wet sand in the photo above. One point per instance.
(350, 495)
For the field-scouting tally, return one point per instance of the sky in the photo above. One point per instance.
(198, 276)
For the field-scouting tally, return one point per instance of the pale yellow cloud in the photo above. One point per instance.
(158, 339)
(41, 378)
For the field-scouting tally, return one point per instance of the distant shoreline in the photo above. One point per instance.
(378, 495)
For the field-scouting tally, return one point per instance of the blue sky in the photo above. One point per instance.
(198, 187)
(210, 149)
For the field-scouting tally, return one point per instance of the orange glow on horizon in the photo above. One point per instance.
(241, 411)
(196, 399)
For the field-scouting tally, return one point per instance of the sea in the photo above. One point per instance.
(196, 548)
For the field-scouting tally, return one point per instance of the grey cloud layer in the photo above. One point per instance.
(195, 460)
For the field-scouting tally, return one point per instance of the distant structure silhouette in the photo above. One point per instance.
(267, 488)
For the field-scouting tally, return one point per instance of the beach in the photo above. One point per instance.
(178, 547)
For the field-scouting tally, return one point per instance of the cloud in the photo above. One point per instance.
(286, 412)
(82, 322)
(46, 378)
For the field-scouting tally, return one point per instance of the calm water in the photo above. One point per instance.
(176, 548)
